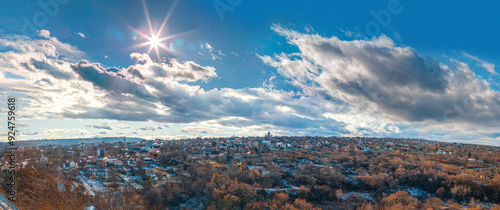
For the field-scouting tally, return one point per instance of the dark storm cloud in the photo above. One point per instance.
(52, 70)
(377, 75)
(112, 83)
(135, 72)
(103, 126)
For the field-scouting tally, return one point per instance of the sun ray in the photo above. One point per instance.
(174, 35)
(145, 7)
(157, 53)
(150, 49)
(155, 40)
(166, 18)
(142, 34)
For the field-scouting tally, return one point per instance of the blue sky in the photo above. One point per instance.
(418, 69)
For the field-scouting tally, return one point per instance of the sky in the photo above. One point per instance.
(190, 68)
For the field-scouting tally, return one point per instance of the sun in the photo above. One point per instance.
(154, 42)
(155, 39)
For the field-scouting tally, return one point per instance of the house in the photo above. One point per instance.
(222, 146)
(259, 169)
(81, 163)
(43, 159)
(5, 167)
(207, 151)
(101, 163)
(266, 142)
(251, 152)
(131, 162)
(195, 157)
(118, 162)
(101, 152)
(148, 160)
(280, 145)
(69, 165)
(149, 147)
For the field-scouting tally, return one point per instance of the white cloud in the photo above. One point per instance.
(358, 123)
(84, 132)
(147, 91)
(102, 126)
(28, 133)
(49, 49)
(394, 86)
(44, 33)
(81, 35)
(46, 77)
(269, 84)
(356, 87)
(309, 28)
(150, 128)
(198, 130)
(211, 52)
(208, 46)
(18, 45)
(382, 77)
(490, 67)
(173, 69)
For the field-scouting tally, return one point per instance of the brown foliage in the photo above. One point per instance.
(398, 200)
(40, 190)
(433, 203)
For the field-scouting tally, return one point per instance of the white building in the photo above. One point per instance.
(43, 159)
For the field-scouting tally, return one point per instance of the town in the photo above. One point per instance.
(268, 172)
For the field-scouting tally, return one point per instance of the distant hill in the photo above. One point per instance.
(45, 142)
